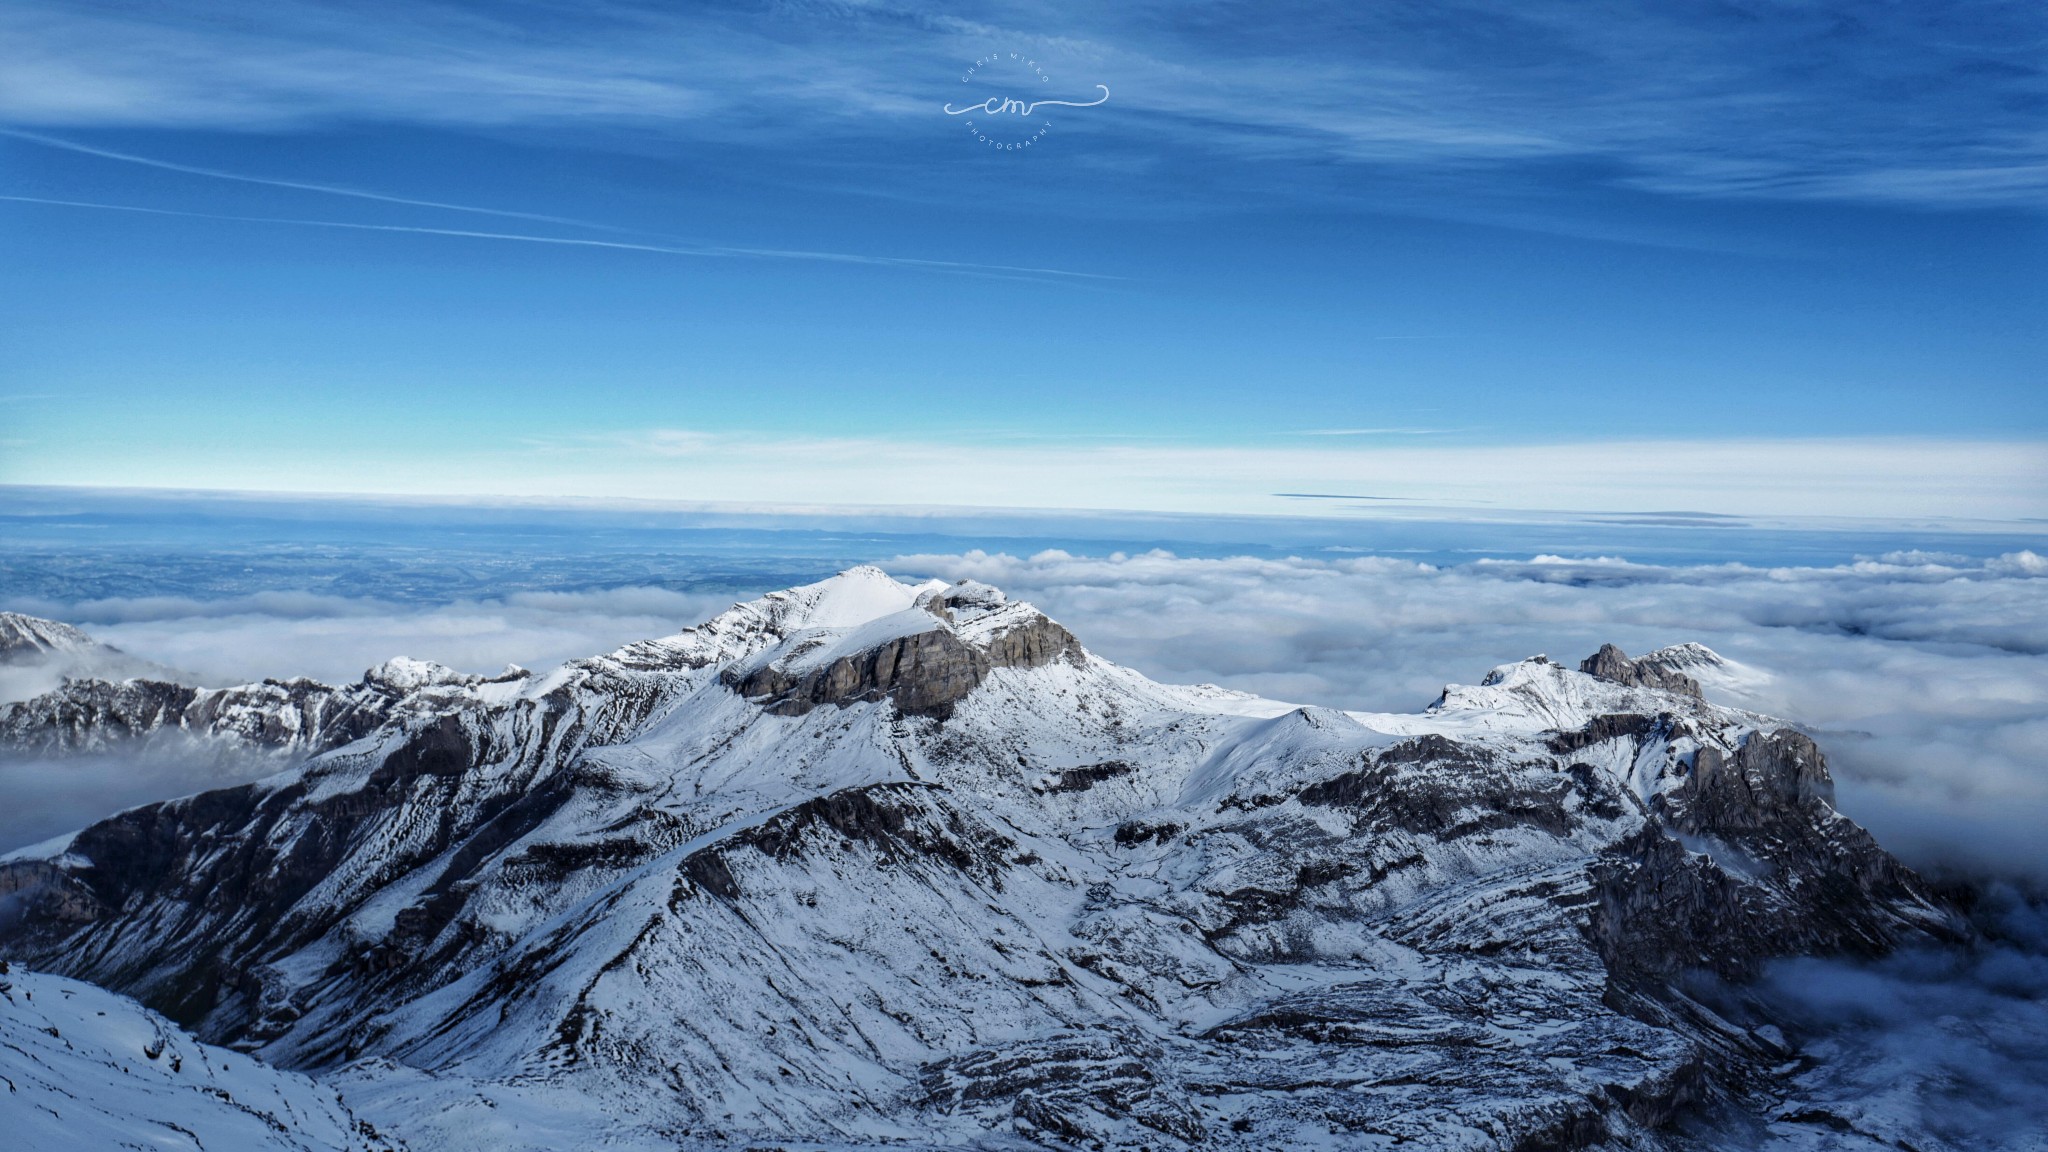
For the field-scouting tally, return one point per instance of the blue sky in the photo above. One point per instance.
(1744, 258)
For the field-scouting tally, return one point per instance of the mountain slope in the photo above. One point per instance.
(24, 638)
(84, 1068)
(868, 861)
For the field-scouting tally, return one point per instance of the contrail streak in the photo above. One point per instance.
(328, 189)
(998, 270)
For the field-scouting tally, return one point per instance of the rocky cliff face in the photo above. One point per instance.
(1658, 670)
(923, 660)
(869, 862)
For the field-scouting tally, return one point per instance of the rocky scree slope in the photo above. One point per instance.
(869, 862)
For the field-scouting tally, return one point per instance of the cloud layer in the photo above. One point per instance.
(334, 638)
(1897, 479)
(1929, 1048)
(1925, 676)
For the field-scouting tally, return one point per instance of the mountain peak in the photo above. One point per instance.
(1657, 670)
(404, 674)
(1690, 654)
(924, 646)
(851, 598)
(32, 637)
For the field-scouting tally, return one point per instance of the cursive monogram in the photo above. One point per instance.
(998, 104)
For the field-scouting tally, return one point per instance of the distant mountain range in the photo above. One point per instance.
(869, 863)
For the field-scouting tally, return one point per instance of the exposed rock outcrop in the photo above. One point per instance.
(925, 674)
(1611, 663)
(1749, 861)
(925, 668)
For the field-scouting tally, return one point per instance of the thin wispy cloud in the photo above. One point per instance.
(1891, 479)
(1336, 496)
(950, 266)
(1372, 431)
(1787, 103)
(293, 185)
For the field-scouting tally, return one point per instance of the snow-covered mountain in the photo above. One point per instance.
(870, 862)
(84, 1068)
(37, 655)
(24, 638)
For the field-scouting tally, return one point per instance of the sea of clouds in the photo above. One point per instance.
(242, 638)
(1925, 676)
